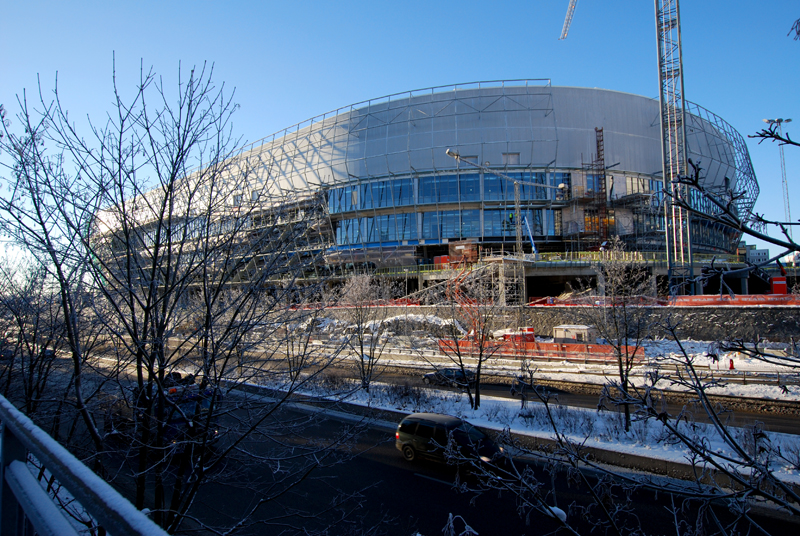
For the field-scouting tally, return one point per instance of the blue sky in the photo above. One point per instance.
(289, 61)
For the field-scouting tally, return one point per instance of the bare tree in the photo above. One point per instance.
(796, 29)
(160, 227)
(474, 310)
(47, 212)
(362, 301)
(33, 332)
(619, 309)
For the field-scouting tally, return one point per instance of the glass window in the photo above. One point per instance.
(347, 232)
(424, 430)
(470, 187)
(497, 189)
(408, 427)
(366, 196)
(471, 223)
(382, 194)
(403, 192)
(406, 226)
(499, 223)
(447, 186)
(440, 436)
(590, 183)
(430, 225)
(450, 224)
(427, 190)
(333, 200)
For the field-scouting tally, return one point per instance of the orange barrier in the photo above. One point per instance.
(524, 350)
(741, 299)
(688, 301)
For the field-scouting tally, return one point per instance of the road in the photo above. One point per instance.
(398, 498)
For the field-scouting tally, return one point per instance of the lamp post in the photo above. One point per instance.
(784, 184)
(561, 188)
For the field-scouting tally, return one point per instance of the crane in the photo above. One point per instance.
(568, 19)
(673, 144)
(673, 137)
(784, 185)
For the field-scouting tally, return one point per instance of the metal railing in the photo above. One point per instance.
(27, 508)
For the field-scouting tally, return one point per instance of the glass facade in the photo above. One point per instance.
(386, 169)
(488, 223)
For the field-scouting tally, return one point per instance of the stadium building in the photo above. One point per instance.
(588, 163)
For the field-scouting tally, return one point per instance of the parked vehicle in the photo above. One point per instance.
(451, 377)
(428, 435)
(186, 411)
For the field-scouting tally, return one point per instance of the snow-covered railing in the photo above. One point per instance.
(25, 506)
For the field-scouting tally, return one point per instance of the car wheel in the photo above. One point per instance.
(426, 381)
(408, 453)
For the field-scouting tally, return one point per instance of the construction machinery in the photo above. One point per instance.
(673, 142)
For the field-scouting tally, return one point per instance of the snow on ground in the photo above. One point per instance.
(600, 429)
(593, 428)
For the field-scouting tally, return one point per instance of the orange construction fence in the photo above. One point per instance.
(741, 299)
(540, 349)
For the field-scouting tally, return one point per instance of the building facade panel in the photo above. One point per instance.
(389, 184)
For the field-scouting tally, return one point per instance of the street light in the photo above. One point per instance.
(562, 188)
(785, 186)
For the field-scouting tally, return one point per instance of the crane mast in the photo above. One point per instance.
(673, 145)
(568, 19)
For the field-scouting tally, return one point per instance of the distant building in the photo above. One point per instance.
(753, 255)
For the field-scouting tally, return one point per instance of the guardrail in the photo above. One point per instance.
(26, 508)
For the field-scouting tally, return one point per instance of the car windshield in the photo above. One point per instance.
(473, 433)
(466, 434)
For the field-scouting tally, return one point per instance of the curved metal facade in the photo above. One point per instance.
(389, 183)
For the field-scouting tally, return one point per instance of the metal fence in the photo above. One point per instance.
(26, 508)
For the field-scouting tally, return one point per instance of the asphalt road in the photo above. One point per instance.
(394, 497)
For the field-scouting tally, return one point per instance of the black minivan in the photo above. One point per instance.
(427, 435)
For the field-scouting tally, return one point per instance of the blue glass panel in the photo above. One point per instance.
(365, 196)
(403, 192)
(499, 223)
(469, 186)
(491, 223)
(430, 225)
(497, 188)
(447, 187)
(406, 226)
(471, 223)
(450, 224)
(427, 190)
(382, 194)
